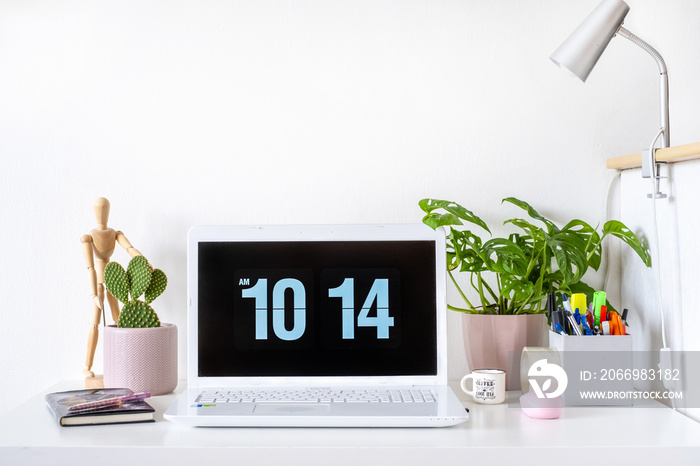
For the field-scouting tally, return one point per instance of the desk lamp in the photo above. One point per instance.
(581, 50)
(578, 54)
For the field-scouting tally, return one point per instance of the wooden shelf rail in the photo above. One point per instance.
(670, 154)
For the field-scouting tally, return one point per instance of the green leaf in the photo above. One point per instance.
(452, 261)
(593, 240)
(533, 231)
(531, 247)
(517, 290)
(467, 250)
(569, 251)
(158, 283)
(583, 229)
(580, 287)
(524, 296)
(618, 229)
(435, 220)
(117, 281)
(509, 258)
(454, 216)
(551, 227)
(140, 275)
(552, 282)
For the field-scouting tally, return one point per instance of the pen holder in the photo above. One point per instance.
(598, 368)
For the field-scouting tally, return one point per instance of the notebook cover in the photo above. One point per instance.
(59, 403)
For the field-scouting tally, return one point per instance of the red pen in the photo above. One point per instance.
(603, 313)
(99, 404)
(589, 319)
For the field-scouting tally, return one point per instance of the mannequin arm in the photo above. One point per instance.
(92, 274)
(123, 242)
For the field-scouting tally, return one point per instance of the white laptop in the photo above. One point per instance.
(333, 325)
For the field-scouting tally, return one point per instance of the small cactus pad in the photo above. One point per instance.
(117, 281)
(140, 275)
(158, 283)
(137, 314)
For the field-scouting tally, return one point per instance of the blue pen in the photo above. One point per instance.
(586, 329)
(559, 329)
(565, 302)
(579, 319)
(575, 328)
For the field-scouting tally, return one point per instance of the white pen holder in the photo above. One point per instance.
(597, 367)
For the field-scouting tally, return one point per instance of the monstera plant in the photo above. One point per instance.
(513, 275)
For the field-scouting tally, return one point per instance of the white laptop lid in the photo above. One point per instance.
(316, 305)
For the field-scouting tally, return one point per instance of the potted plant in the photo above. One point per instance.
(512, 276)
(140, 352)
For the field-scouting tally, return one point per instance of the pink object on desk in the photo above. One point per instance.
(541, 408)
(141, 359)
(495, 341)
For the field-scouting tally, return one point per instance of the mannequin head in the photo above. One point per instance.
(101, 208)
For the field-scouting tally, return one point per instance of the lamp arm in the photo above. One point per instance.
(649, 49)
(663, 83)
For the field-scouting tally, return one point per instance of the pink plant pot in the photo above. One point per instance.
(497, 341)
(141, 359)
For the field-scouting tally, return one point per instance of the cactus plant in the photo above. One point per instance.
(128, 285)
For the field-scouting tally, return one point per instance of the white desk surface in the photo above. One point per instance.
(493, 435)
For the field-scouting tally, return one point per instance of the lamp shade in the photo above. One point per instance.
(581, 50)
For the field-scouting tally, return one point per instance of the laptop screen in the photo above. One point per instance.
(316, 308)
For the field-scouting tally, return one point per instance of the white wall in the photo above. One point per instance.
(293, 112)
(678, 223)
(677, 261)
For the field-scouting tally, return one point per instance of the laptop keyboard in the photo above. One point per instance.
(317, 395)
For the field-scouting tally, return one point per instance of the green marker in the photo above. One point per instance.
(599, 299)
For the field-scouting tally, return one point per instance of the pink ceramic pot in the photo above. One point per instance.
(496, 342)
(141, 359)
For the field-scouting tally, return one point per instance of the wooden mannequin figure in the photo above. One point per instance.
(98, 246)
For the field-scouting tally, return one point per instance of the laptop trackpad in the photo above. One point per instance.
(291, 409)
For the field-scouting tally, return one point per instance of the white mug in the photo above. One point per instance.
(489, 386)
